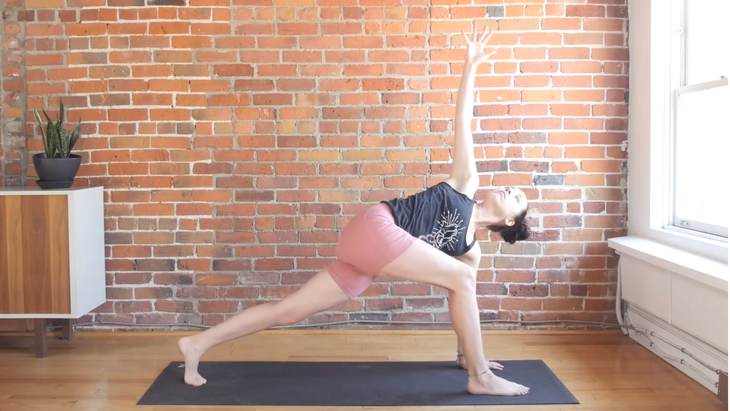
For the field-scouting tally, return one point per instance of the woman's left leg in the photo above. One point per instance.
(422, 263)
(461, 360)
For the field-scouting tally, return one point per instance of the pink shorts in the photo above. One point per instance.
(368, 243)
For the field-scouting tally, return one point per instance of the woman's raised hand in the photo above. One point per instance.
(476, 50)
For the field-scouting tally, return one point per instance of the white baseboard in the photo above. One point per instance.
(709, 355)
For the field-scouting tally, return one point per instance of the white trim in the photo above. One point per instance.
(676, 64)
(690, 232)
(706, 85)
(704, 270)
(698, 228)
(679, 9)
(30, 190)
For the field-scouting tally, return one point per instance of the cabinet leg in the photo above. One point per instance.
(67, 329)
(41, 341)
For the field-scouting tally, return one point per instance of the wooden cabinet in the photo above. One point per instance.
(51, 255)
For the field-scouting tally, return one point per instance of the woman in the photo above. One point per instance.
(410, 239)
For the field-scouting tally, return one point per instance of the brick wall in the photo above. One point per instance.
(236, 137)
(13, 104)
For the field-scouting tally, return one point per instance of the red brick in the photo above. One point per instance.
(583, 95)
(410, 289)
(585, 180)
(530, 53)
(532, 81)
(583, 38)
(600, 305)
(580, 67)
(562, 304)
(600, 24)
(585, 11)
(540, 38)
(539, 67)
(560, 23)
(541, 95)
(522, 304)
(218, 306)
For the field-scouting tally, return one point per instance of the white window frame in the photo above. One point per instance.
(653, 75)
(678, 83)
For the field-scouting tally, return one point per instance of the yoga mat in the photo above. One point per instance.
(342, 384)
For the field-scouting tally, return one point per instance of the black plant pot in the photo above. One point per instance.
(56, 172)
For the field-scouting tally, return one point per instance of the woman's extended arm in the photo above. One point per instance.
(464, 176)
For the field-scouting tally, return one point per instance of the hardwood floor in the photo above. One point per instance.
(111, 371)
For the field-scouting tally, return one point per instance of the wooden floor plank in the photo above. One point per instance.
(605, 370)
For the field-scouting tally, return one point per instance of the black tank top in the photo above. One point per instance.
(439, 216)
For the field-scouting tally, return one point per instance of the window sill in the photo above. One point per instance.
(704, 270)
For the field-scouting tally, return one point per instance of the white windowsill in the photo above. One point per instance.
(705, 270)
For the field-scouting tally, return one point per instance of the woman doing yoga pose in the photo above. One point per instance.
(426, 238)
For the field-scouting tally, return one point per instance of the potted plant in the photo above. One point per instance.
(56, 166)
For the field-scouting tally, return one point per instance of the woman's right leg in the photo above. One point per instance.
(320, 293)
(424, 264)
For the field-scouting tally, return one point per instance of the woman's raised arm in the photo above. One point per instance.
(463, 175)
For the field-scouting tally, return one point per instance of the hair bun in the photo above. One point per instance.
(517, 232)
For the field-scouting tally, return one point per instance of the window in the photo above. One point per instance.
(700, 139)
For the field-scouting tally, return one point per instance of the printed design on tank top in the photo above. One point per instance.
(446, 233)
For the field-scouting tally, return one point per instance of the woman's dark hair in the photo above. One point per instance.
(512, 233)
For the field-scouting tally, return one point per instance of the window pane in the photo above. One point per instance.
(708, 40)
(703, 133)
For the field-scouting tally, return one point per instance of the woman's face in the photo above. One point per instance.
(505, 204)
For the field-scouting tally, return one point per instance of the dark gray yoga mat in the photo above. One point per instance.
(348, 384)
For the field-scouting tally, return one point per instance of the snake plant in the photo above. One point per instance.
(57, 140)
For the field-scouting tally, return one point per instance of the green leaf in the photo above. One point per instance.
(47, 118)
(40, 123)
(60, 116)
(75, 137)
(43, 132)
(51, 131)
(66, 143)
(59, 141)
(49, 137)
(52, 139)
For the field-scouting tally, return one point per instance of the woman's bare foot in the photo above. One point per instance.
(489, 384)
(192, 356)
(491, 364)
